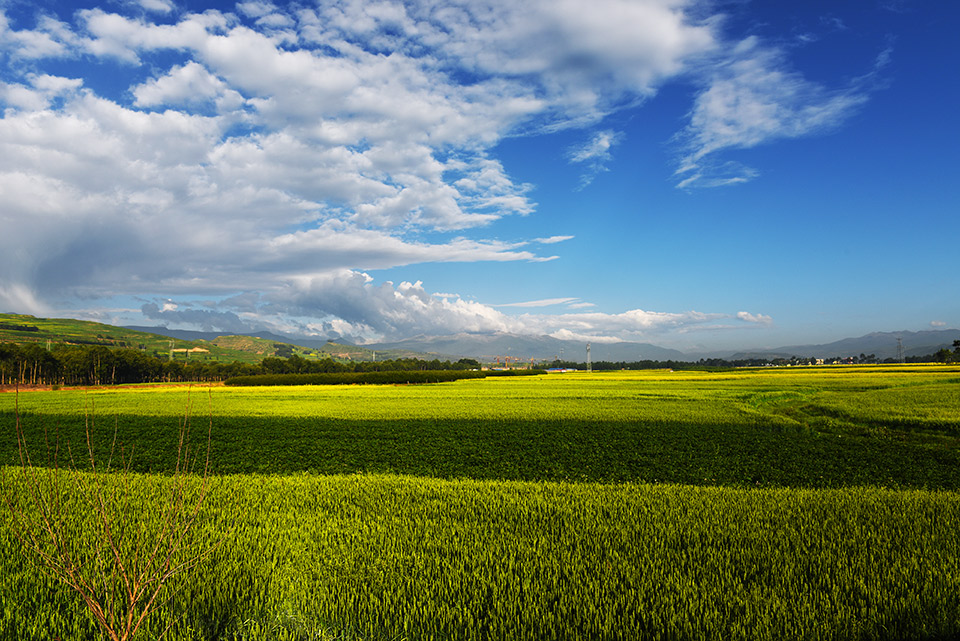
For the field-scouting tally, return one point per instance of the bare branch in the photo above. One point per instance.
(118, 564)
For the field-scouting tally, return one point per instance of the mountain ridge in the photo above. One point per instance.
(522, 347)
(543, 347)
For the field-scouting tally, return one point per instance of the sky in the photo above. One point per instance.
(696, 175)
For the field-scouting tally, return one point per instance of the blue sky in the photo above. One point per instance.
(698, 175)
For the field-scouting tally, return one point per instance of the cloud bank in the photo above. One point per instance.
(353, 305)
(287, 149)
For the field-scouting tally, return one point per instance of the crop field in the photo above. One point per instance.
(808, 503)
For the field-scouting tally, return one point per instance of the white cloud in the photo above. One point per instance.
(595, 149)
(567, 335)
(353, 304)
(256, 9)
(759, 319)
(156, 6)
(51, 39)
(595, 153)
(754, 98)
(387, 310)
(630, 325)
(368, 310)
(20, 97)
(552, 240)
(185, 85)
(585, 57)
(288, 148)
(937, 324)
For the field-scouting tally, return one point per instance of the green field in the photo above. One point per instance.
(809, 503)
(52, 332)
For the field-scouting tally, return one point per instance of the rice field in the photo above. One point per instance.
(773, 504)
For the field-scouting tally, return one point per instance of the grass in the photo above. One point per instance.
(753, 504)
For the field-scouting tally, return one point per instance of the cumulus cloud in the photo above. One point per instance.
(353, 304)
(385, 311)
(185, 85)
(286, 150)
(50, 39)
(207, 320)
(585, 58)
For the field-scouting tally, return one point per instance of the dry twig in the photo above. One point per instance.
(118, 559)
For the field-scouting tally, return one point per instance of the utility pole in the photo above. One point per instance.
(589, 363)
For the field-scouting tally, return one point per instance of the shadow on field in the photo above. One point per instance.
(519, 450)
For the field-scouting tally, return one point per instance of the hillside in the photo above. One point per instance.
(881, 344)
(50, 332)
(311, 347)
(247, 344)
(186, 344)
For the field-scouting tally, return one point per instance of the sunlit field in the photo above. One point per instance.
(816, 503)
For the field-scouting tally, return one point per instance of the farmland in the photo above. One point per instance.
(752, 504)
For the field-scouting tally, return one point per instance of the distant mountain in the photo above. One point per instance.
(452, 347)
(182, 334)
(488, 347)
(881, 344)
(335, 349)
(191, 335)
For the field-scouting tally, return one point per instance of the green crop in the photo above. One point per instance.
(813, 503)
(799, 428)
(386, 557)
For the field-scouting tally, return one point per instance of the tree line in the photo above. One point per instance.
(942, 356)
(32, 364)
(946, 356)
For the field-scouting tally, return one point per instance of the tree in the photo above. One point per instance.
(120, 563)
